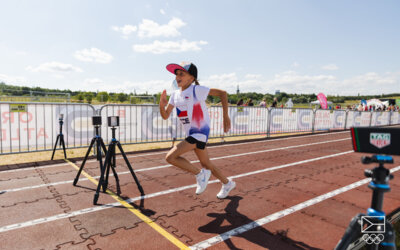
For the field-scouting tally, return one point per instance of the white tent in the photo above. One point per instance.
(289, 103)
(317, 102)
(377, 103)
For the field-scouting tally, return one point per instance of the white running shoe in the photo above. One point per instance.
(202, 180)
(226, 188)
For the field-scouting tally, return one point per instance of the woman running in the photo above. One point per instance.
(191, 108)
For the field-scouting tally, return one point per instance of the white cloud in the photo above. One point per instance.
(125, 30)
(252, 76)
(12, 79)
(227, 82)
(93, 55)
(289, 81)
(151, 87)
(56, 67)
(371, 83)
(91, 82)
(149, 28)
(21, 53)
(230, 81)
(292, 82)
(330, 67)
(159, 47)
(295, 65)
(162, 12)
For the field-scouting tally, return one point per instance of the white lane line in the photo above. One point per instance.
(168, 191)
(260, 222)
(168, 165)
(33, 168)
(163, 152)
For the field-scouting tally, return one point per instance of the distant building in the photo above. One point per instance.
(277, 92)
(237, 90)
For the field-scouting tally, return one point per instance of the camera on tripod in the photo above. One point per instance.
(60, 137)
(96, 121)
(113, 121)
(376, 140)
(379, 231)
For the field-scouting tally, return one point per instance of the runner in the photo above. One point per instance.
(191, 108)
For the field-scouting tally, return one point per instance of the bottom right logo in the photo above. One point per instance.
(373, 238)
(373, 228)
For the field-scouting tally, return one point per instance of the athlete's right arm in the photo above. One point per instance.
(163, 102)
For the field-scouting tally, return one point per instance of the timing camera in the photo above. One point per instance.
(113, 121)
(96, 120)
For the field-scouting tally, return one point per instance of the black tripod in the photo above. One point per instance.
(61, 138)
(110, 162)
(377, 231)
(99, 145)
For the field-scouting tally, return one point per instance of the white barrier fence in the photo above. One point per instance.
(28, 127)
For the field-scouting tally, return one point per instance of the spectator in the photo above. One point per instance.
(360, 107)
(274, 103)
(240, 102)
(249, 102)
(262, 103)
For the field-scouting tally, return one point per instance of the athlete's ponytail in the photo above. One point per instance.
(196, 82)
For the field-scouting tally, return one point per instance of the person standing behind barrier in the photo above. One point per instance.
(262, 103)
(240, 102)
(249, 102)
(274, 103)
(191, 108)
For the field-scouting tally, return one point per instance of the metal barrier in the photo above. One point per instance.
(29, 127)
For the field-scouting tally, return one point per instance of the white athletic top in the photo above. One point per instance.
(192, 110)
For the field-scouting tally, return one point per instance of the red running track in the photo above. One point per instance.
(284, 185)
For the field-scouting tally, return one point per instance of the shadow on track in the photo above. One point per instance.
(259, 235)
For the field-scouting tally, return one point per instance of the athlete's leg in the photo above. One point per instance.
(174, 157)
(202, 154)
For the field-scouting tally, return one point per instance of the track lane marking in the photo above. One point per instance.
(280, 214)
(163, 152)
(169, 165)
(168, 191)
(136, 212)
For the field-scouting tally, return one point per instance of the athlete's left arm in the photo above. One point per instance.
(224, 101)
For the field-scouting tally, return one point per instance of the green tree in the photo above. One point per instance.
(80, 97)
(121, 97)
(102, 96)
(88, 97)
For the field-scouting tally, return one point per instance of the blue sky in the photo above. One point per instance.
(298, 46)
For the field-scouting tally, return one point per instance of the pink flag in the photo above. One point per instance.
(322, 100)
